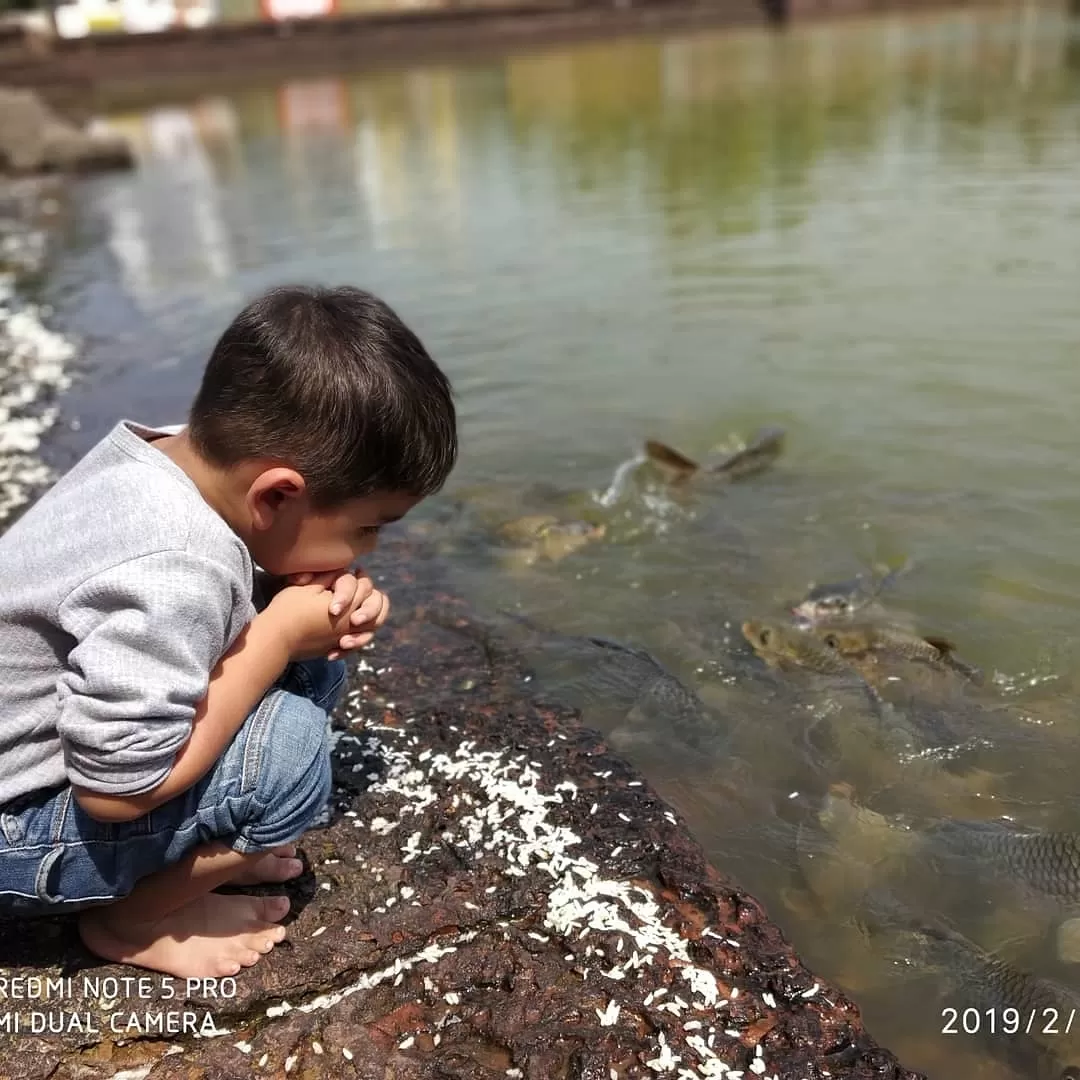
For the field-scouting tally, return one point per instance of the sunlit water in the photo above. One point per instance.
(868, 233)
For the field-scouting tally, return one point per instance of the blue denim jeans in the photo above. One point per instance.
(266, 788)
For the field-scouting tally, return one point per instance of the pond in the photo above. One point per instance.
(867, 232)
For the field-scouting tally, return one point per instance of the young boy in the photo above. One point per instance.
(163, 732)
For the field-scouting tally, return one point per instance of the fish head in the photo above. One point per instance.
(785, 646)
(862, 833)
(583, 529)
(836, 601)
(845, 640)
(765, 638)
(527, 528)
(562, 538)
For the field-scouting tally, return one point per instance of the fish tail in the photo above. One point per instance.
(889, 577)
(663, 454)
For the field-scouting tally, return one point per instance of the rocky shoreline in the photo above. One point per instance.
(34, 360)
(34, 139)
(496, 895)
(39, 149)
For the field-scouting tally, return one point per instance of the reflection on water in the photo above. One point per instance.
(866, 232)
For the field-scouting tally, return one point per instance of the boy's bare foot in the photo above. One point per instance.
(279, 864)
(214, 935)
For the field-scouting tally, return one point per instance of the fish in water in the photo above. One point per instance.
(621, 689)
(845, 599)
(785, 648)
(545, 536)
(976, 983)
(788, 648)
(762, 449)
(907, 730)
(1041, 865)
(871, 640)
(866, 650)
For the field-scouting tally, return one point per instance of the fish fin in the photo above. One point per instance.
(887, 577)
(961, 667)
(950, 659)
(618, 646)
(943, 645)
(663, 454)
(757, 454)
(520, 619)
(767, 438)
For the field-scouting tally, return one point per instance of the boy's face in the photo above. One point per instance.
(297, 539)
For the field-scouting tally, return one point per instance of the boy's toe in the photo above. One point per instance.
(272, 909)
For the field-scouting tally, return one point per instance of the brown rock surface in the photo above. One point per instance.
(496, 895)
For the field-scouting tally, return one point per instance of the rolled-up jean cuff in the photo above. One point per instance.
(321, 681)
(268, 830)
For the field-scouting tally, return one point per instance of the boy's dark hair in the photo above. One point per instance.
(332, 383)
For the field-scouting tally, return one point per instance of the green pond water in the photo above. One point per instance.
(867, 232)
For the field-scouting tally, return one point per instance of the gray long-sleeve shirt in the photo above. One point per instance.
(120, 589)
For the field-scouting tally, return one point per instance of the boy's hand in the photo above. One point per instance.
(350, 588)
(299, 616)
(354, 594)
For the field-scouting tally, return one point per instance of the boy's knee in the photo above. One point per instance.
(294, 780)
(320, 680)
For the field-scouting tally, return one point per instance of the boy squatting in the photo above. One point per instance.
(163, 708)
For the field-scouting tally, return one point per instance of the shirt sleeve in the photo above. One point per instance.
(147, 632)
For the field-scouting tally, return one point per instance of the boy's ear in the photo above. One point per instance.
(270, 492)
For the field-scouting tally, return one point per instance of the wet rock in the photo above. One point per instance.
(35, 139)
(496, 895)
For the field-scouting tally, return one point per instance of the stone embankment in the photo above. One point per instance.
(35, 139)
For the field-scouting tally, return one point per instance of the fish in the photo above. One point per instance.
(854, 853)
(862, 728)
(620, 688)
(762, 449)
(920, 679)
(861, 639)
(1036, 1020)
(1042, 865)
(849, 640)
(545, 536)
(788, 648)
(869, 651)
(871, 640)
(843, 600)
(846, 719)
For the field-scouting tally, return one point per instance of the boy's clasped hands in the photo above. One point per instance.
(328, 614)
